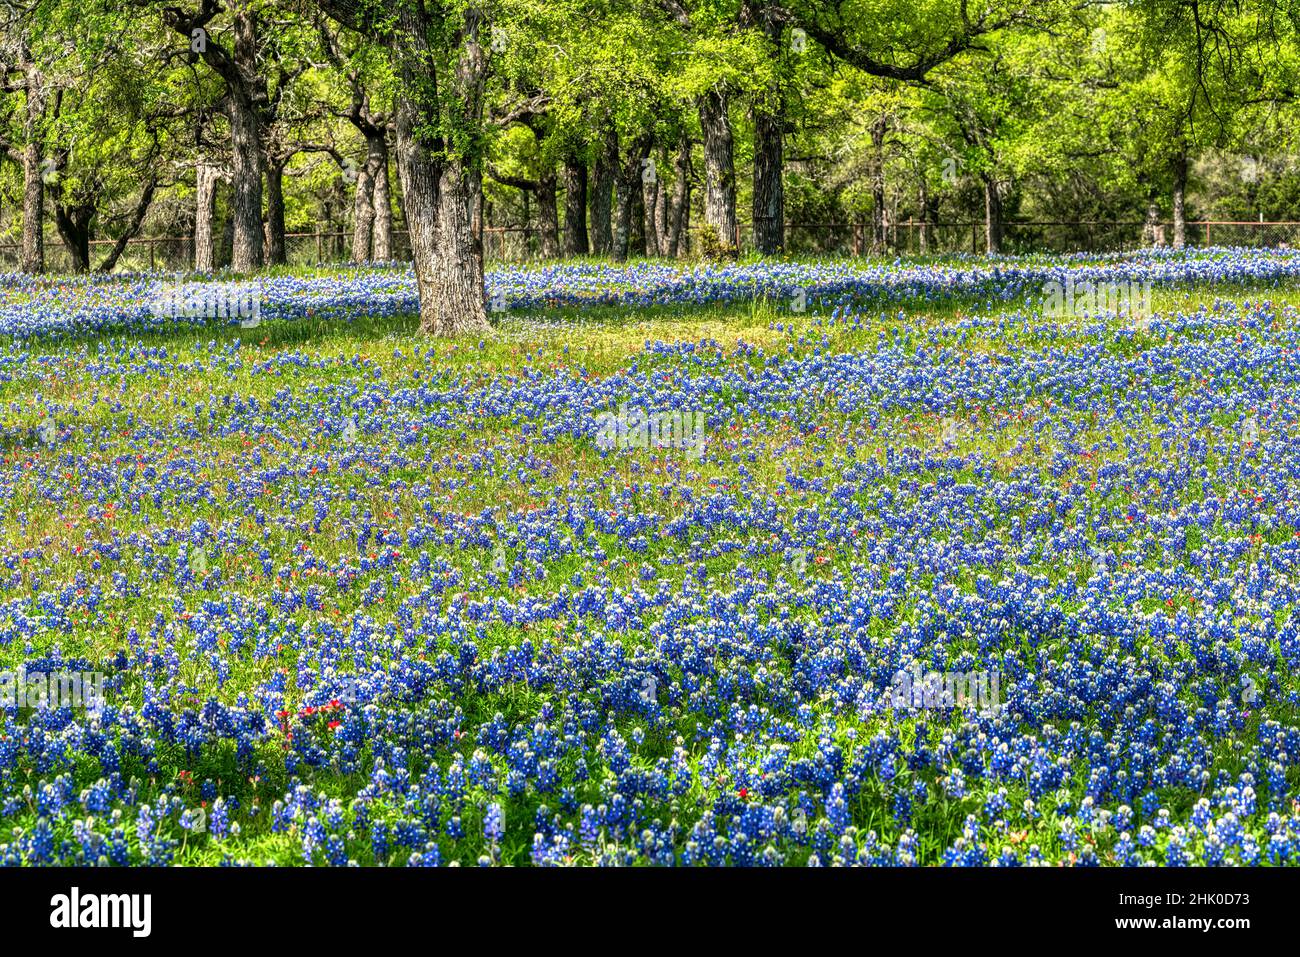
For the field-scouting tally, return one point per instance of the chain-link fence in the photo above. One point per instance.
(518, 244)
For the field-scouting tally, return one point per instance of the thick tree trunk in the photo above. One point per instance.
(575, 207)
(382, 207)
(275, 252)
(719, 168)
(227, 242)
(992, 216)
(769, 191)
(602, 190)
(768, 114)
(33, 251)
(205, 199)
(363, 214)
(440, 173)
(480, 215)
(438, 199)
(548, 220)
(681, 198)
(33, 160)
(73, 225)
(246, 174)
(627, 189)
(1180, 194)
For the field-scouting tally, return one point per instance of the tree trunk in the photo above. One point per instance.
(992, 216)
(602, 189)
(1180, 193)
(363, 214)
(627, 186)
(768, 113)
(205, 198)
(382, 244)
(636, 223)
(650, 187)
(275, 252)
(681, 198)
(878, 214)
(74, 229)
(440, 196)
(33, 252)
(34, 164)
(922, 208)
(336, 221)
(227, 241)
(548, 220)
(719, 168)
(575, 207)
(769, 191)
(246, 173)
(1151, 226)
(661, 210)
(932, 217)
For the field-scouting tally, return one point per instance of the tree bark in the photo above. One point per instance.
(1151, 226)
(681, 197)
(769, 191)
(243, 98)
(275, 252)
(205, 198)
(439, 117)
(992, 216)
(246, 176)
(878, 214)
(33, 251)
(767, 111)
(441, 191)
(650, 224)
(382, 241)
(439, 216)
(33, 160)
(575, 207)
(548, 220)
(245, 103)
(227, 241)
(638, 242)
(719, 168)
(627, 188)
(661, 210)
(73, 224)
(922, 208)
(363, 214)
(1180, 194)
(602, 190)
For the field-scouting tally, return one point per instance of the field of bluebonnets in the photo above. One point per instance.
(362, 596)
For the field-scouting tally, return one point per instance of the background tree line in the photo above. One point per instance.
(622, 128)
